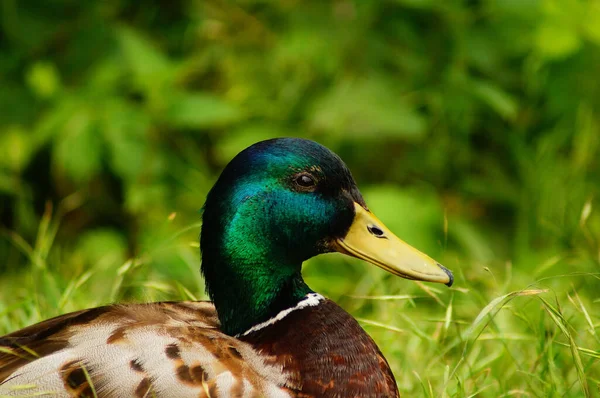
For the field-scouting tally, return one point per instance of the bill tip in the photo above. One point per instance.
(449, 273)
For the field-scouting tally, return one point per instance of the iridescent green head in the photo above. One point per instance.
(276, 204)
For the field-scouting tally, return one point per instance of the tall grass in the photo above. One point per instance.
(494, 333)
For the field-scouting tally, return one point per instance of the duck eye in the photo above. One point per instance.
(305, 181)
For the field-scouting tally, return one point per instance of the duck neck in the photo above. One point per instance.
(249, 276)
(252, 250)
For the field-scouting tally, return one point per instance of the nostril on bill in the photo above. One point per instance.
(376, 231)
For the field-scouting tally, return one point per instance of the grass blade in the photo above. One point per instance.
(561, 322)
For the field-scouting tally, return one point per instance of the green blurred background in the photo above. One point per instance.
(472, 128)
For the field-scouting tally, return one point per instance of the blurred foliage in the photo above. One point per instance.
(473, 128)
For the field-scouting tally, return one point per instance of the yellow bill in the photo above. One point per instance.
(370, 240)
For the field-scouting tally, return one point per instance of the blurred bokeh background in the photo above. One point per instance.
(472, 128)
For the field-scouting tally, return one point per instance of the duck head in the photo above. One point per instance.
(275, 205)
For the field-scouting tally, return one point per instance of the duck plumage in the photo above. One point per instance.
(175, 349)
(276, 204)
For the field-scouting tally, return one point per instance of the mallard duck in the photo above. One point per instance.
(265, 333)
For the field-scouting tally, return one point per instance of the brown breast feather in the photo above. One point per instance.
(327, 354)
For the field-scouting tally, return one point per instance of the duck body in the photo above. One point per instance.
(265, 333)
(176, 349)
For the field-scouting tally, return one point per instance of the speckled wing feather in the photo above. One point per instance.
(140, 350)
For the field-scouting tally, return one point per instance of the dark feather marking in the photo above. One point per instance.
(234, 352)
(198, 373)
(184, 374)
(172, 351)
(117, 336)
(212, 390)
(76, 379)
(136, 366)
(143, 388)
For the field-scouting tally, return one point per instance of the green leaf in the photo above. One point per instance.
(591, 22)
(557, 41)
(43, 79)
(419, 4)
(125, 130)
(370, 108)
(15, 148)
(141, 197)
(497, 99)
(8, 183)
(200, 110)
(150, 67)
(77, 152)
